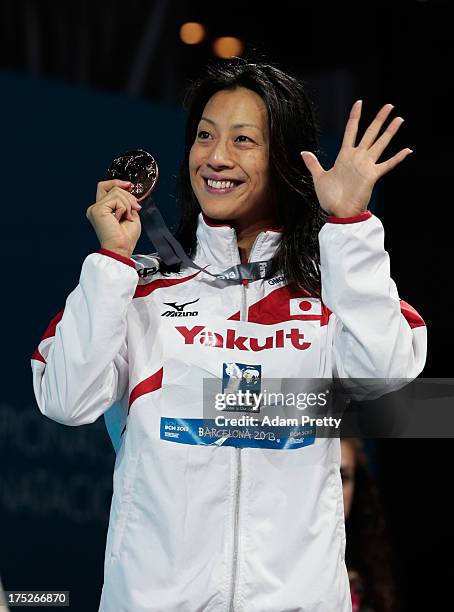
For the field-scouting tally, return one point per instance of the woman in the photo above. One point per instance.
(368, 555)
(201, 521)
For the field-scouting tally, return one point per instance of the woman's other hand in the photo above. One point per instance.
(115, 217)
(345, 189)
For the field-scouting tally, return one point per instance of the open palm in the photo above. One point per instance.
(345, 189)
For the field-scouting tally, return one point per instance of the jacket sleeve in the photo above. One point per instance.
(80, 367)
(375, 333)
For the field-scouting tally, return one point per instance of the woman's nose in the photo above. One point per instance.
(220, 154)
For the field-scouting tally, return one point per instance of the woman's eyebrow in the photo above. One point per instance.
(237, 125)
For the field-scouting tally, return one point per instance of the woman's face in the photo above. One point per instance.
(232, 142)
(348, 465)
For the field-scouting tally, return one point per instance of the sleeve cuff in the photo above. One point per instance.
(118, 257)
(355, 219)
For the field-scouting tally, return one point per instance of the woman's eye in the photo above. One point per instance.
(199, 135)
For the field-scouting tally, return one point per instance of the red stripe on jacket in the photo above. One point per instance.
(152, 383)
(414, 319)
(275, 308)
(50, 331)
(144, 290)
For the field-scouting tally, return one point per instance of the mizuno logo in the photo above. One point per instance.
(231, 340)
(179, 310)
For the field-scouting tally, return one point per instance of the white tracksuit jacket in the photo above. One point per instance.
(207, 527)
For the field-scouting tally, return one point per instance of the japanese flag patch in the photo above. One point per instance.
(305, 306)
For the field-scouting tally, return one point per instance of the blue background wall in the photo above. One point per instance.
(56, 481)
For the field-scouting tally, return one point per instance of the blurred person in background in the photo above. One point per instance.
(368, 552)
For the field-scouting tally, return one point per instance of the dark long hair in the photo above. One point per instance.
(368, 550)
(292, 129)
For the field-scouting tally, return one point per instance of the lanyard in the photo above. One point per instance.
(172, 253)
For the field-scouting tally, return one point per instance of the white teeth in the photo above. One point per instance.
(220, 184)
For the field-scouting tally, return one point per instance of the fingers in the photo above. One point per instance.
(391, 163)
(103, 187)
(380, 145)
(120, 197)
(312, 164)
(374, 146)
(118, 201)
(122, 206)
(351, 129)
(374, 128)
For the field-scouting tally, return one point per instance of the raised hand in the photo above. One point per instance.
(345, 189)
(115, 217)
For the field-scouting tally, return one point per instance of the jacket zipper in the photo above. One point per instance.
(237, 455)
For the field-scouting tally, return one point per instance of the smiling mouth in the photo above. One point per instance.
(221, 191)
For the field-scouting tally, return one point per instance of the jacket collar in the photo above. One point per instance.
(217, 244)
